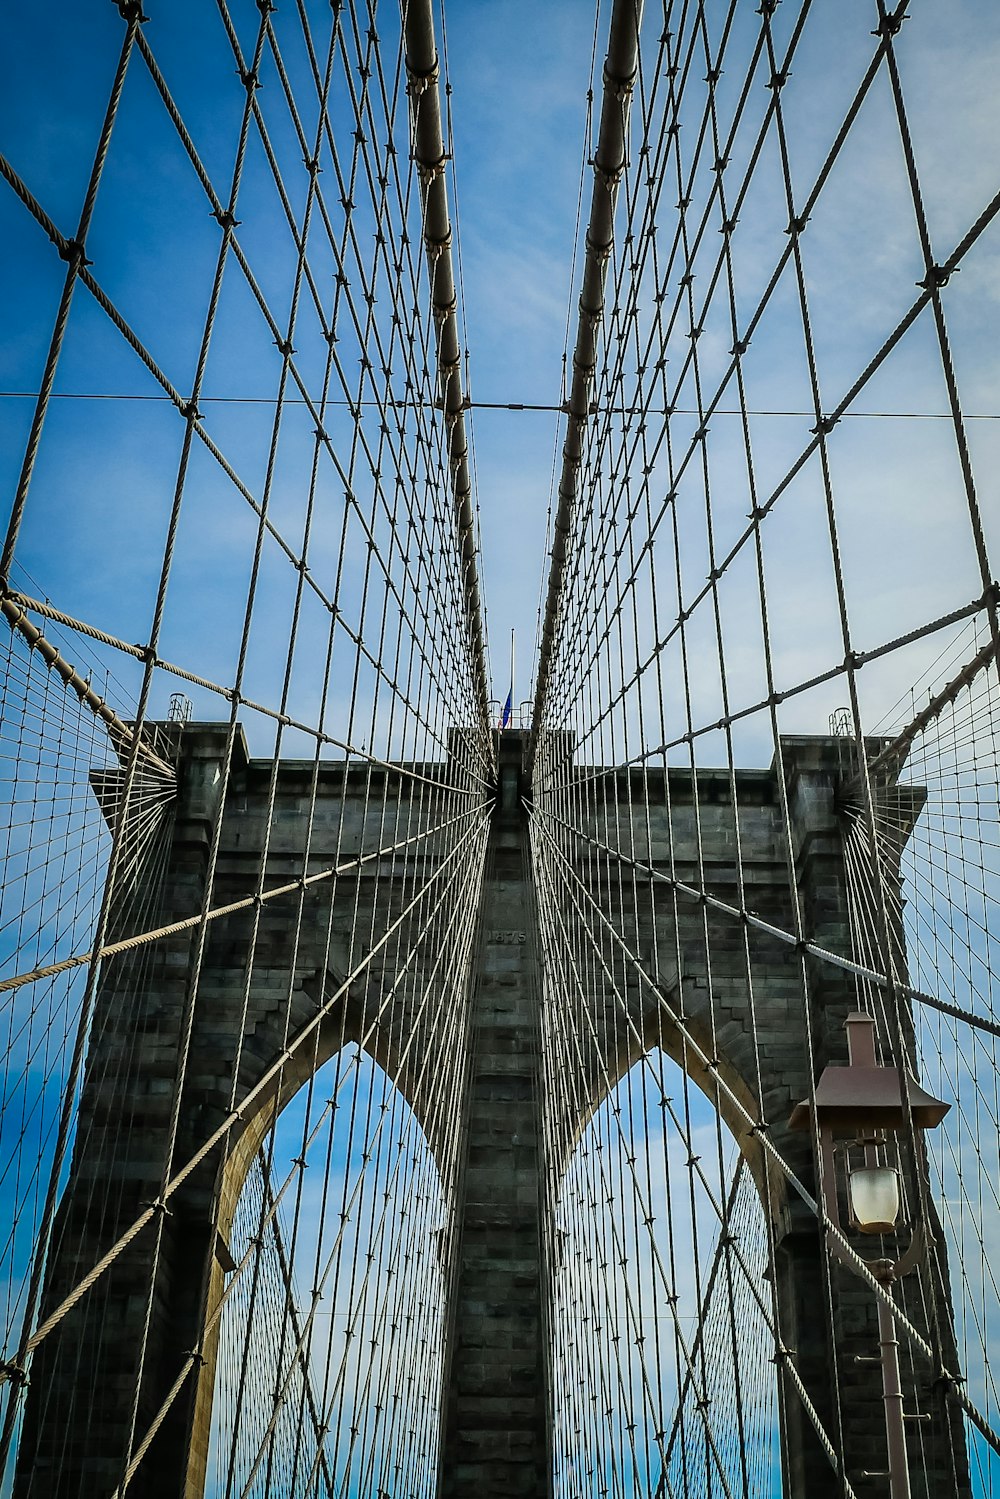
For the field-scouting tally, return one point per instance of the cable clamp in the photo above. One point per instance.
(442, 312)
(591, 317)
(601, 253)
(777, 80)
(266, 7)
(11, 1372)
(190, 410)
(728, 225)
(71, 250)
(937, 276)
(428, 170)
(131, 10)
(225, 218)
(890, 24)
(248, 78)
(420, 80)
(437, 247)
(158, 1206)
(797, 224)
(618, 88)
(609, 177)
(284, 346)
(825, 425)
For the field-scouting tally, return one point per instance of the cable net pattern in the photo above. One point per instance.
(258, 398)
(946, 906)
(254, 785)
(55, 861)
(768, 355)
(360, 1355)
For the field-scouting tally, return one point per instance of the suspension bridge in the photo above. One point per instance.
(414, 1089)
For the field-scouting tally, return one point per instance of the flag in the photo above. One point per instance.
(505, 715)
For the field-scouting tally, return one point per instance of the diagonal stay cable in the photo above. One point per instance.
(236, 1115)
(187, 923)
(839, 1245)
(191, 1359)
(782, 1354)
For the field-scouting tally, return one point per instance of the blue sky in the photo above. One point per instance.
(152, 230)
(519, 75)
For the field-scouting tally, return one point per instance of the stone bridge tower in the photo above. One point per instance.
(496, 1432)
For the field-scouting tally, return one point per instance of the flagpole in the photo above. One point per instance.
(512, 676)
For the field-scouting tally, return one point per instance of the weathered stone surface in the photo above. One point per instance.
(496, 1441)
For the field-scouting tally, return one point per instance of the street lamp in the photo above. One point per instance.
(861, 1105)
(873, 1193)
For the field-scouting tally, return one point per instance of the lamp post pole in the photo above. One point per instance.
(892, 1389)
(863, 1103)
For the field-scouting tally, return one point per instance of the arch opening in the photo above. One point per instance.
(662, 1309)
(325, 1366)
